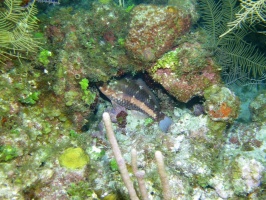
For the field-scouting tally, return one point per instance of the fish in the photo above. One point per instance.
(134, 94)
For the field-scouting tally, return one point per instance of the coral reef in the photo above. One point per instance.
(258, 108)
(221, 104)
(154, 29)
(185, 71)
(53, 144)
(88, 43)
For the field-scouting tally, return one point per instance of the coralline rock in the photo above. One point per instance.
(258, 108)
(185, 72)
(221, 104)
(243, 177)
(247, 175)
(154, 29)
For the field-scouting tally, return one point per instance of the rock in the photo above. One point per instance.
(221, 104)
(154, 29)
(258, 108)
(185, 72)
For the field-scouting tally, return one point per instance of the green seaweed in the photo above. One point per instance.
(88, 97)
(44, 57)
(80, 190)
(31, 99)
(7, 152)
(113, 165)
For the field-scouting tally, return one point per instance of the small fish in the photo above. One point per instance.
(134, 94)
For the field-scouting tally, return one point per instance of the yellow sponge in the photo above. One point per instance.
(73, 158)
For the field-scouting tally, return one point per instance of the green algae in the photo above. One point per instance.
(7, 153)
(88, 97)
(80, 190)
(31, 98)
(44, 57)
(70, 97)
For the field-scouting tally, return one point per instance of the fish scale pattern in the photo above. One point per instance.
(133, 94)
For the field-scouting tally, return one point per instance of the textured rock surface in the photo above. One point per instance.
(185, 72)
(154, 29)
(258, 108)
(221, 104)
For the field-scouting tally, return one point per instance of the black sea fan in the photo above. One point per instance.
(232, 52)
(17, 24)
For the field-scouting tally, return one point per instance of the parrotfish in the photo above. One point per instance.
(134, 94)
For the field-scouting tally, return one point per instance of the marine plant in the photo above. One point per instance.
(31, 98)
(80, 190)
(250, 12)
(7, 152)
(17, 24)
(240, 60)
(88, 97)
(44, 57)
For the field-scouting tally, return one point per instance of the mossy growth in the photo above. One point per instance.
(116, 194)
(169, 60)
(201, 180)
(110, 197)
(216, 129)
(70, 97)
(7, 152)
(73, 158)
(148, 121)
(80, 190)
(113, 165)
(88, 97)
(44, 57)
(105, 1)
(187, 58)
(129, 8)
(31, 98)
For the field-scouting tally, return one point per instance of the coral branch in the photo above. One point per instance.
(163, 176)
(118, 156)
(139, 175)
